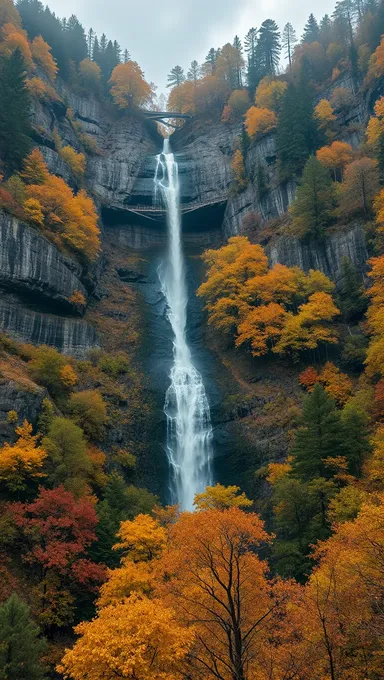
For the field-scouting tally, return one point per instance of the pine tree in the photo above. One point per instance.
(76, 42)
(103, 43)
(15, 128)
(96, 50)
(194, 71)
(210, 61)
(315, 201)
(351, 299)
(288, 41)
(268, 47)
(311, 30)
(20, 645)
(297, 133)
(319, 437)
(356, 439)
(90, 38)
(126, 56)
(325, 35)
(237, 44)
(176, 77)
(117, 51)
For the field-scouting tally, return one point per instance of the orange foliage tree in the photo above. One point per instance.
(279, 309)
(338, 385)
(14, 38)
(182, 98)
(324, 114)
(41, 53)
(260, 121)
(9, 14)
(376, 63)
(336, 156)
(129, 88)
(375, 127)
(76, 161)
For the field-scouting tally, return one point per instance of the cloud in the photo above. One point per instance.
(161, 34)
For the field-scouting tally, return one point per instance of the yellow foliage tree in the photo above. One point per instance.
(220, 497)
(360, 186)
(260, 121)
(41, 53)
(375, 127)
(138, 639)
(239, 173)
(270, 94)
(76, 161)
(90, 74)
(33, 212)
(236, 107)
(281, 309)
(376, 63)
(324, 113)
(22, 461)
(129, 88)
(375, 353)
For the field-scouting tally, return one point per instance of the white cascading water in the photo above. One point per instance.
(189, 431)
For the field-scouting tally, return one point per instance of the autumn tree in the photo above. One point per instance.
(50, 368)
(341, 595)
(21, 646)
(239, 173)
(90, 74)
(270, 94)
(325, 116)
(237, 106)
(88, 409)
(41, 53)
(69, 220)
(76, 161)
(129, 89)
(56, 532)
(336, 157)
(221, 497)
(375, 353)
(34, 168)
(68, 462)
(182, 98)
(281, 309)
(139, 638)
(360, 186)
(9, 14)
(315, 203)
(259, 121)
(21, 462)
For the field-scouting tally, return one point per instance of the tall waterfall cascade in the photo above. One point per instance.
(189, 431)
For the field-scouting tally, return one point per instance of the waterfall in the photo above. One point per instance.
(189, 431)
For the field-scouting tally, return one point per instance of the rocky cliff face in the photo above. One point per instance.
(30, 264)
(327, 257)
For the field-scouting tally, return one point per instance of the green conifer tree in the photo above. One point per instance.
(20, 645)
(15, 128)
(356, 444)
(311, 30)
(319, 437)
(176, 77)
(352, 301)
(315, 201)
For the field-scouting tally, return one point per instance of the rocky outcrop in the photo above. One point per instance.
(327, 257)
(70, 336)
(17, 393)
(30, 264)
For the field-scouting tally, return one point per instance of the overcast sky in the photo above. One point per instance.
(160, 33)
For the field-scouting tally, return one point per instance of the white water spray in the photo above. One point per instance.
(189, 431)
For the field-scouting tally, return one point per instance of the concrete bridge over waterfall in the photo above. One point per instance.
(164, 116)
